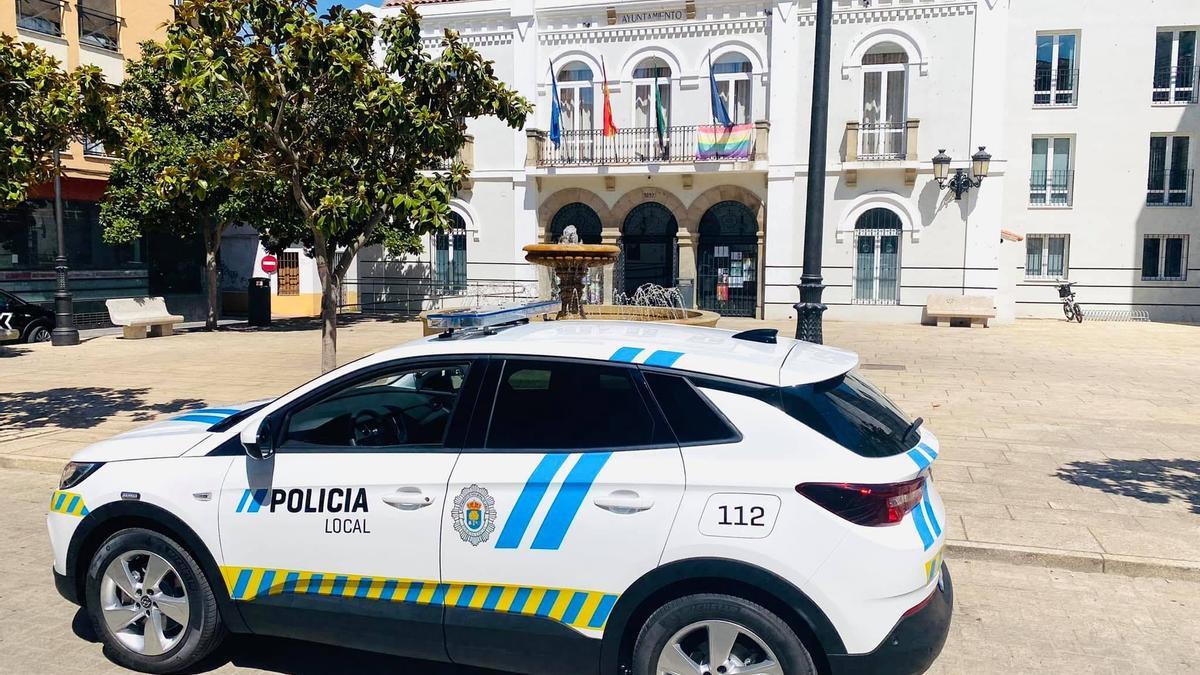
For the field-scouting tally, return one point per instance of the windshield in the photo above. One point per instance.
(851, 412)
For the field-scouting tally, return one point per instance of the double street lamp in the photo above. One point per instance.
(961, 182)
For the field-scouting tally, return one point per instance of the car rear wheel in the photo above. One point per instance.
(710, 634)
(37, 333)
(150, 603)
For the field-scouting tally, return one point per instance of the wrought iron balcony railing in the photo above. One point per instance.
(628, 146)
(882, 141)
(99, 28)
(42, 16)
(1176, 85)
(1051, 188)
(1170, 188)
(1055, 86)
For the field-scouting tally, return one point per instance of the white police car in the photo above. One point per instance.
(554, 497)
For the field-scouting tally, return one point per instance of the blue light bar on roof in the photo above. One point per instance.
(482, 317)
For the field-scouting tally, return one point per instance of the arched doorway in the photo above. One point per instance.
(583, 217)
(648, 248)
(877, 257)
(588, 226)
(727, 259)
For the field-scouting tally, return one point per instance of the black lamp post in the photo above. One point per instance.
(961, 183)
(64, 333)
(810, 308)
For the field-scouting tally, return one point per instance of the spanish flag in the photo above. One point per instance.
(610, 129)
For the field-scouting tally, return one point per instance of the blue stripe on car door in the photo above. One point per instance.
(527, 503)
(567, 502)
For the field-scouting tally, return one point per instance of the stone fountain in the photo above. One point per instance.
(570, 260)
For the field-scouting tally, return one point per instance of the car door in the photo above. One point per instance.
(558, 503)
(334, 537)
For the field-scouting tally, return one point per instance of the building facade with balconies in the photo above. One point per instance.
(105, 34)
(1089, 178)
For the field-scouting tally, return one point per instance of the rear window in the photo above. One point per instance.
(851, 412)
(691, 416)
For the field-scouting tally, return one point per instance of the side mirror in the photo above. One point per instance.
(259, 440)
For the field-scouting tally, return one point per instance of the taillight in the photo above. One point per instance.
(871, 505)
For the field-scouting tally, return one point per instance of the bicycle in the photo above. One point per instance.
(1071, 309)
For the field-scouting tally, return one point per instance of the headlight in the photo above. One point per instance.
(74, 473)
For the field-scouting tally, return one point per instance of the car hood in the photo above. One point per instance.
(170, 437)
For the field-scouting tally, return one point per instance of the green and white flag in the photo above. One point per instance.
(660, 115)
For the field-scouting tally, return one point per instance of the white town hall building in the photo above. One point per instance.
(1088, 108)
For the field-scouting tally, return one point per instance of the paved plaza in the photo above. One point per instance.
(1063, 444)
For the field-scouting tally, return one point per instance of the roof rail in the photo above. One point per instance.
(768, 336)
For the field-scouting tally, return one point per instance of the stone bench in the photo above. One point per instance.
(974, 309)
(135, 315)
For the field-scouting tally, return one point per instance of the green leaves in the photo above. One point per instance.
(44, 108)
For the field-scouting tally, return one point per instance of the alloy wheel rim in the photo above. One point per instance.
(717, 647)
(41, 335)
(144, 603)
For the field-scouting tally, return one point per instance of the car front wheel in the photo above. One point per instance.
(150, 603)
(710, 634)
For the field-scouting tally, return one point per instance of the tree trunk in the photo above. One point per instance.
(212, 243)
(329, 306)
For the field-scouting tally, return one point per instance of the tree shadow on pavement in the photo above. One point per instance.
(81, 407)
(1154, 481)
(281, 655)
(314, 323)
(9, 352)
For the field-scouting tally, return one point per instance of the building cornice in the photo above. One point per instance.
(651, 32)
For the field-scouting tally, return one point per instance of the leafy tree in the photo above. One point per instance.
(174, 177)
(352, 137)
(42, 108)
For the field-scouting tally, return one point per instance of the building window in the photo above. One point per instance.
(732, 74)
(652, 109)
(576, 100)
(289, 273)
(885, 100)
(29, 239)
(1050, 176)
(450, 268)
(1046, 256)
(42, 16)
(99, 25)
(1170, 182)
(1056, 72)
(93, 148)
(1175, 68)
(1164, 257)
(877, 258)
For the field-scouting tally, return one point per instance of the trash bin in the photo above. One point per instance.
(258, 302)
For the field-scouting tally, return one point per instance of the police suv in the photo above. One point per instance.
(561, 497)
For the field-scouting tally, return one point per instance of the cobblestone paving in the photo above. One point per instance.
(1057, 437)
(1008, 618)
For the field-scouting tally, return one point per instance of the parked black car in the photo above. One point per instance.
(23, 321)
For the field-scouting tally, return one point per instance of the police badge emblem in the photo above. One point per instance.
(474, 514)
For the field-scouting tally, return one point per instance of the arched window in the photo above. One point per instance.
(885, 102)
(576, 97)
(732, 73)
(651, 76)
(583, 217)
(647, 248)
(450, 265)
(877, 258)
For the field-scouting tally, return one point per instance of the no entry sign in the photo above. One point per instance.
(269, 264)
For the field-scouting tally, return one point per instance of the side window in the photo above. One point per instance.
(692, 417)
(402, 408)
(559, 405)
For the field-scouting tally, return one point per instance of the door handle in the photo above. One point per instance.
(623, 502)
(408, 499)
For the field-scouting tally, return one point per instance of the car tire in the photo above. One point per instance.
(686, 623)
(38, 332)
(122, 607)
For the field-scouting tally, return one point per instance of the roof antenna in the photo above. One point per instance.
(767, 336)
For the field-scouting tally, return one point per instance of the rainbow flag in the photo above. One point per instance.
(715, 141)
